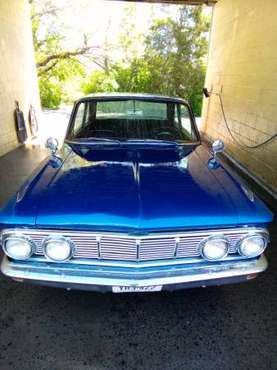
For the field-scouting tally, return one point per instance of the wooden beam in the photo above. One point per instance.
(179, 2)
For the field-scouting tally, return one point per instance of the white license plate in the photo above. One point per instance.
(134, 289)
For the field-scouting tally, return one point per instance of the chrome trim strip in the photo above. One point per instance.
(84, 275)
(153, 235)
(141, 264)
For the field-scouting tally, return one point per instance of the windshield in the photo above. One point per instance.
(131, 120)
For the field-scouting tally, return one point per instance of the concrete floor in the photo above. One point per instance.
(228, 327)
(53, 124)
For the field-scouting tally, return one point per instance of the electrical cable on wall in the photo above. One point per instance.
(207, 95)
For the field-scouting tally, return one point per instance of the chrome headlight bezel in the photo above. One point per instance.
(263, 235)
(213, 238)
(21, 237)
(58, 238)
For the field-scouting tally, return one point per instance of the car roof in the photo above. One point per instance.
(127, 96)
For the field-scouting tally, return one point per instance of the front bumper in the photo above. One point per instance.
(103, 278)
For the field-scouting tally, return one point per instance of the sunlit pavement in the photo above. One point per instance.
(227, 327)
(52, 123)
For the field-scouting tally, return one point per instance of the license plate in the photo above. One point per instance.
(134, 289)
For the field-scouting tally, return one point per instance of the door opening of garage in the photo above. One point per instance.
(155, 46)
(118, 47)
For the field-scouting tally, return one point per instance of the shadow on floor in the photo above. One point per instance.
(16, 167)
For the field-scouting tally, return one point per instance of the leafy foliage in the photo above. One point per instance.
(168, 60)
(99, 81)
(55, 65)
(172, 63)
(50, 93)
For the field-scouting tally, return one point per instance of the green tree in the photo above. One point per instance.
(175, 51)
(136, 77)
(100, 81)
(173, 61)
(55, 64)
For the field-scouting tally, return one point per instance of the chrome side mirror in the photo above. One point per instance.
(217, 147)
(52, 144)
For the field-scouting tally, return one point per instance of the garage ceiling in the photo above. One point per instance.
(185, 2)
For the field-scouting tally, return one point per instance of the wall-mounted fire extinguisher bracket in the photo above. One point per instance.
(20, 124)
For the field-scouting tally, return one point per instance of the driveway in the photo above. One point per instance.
(53, 123)
(227, 327)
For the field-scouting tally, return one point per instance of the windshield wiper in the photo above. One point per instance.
(98, 140)
(92, 140)
(152, 141)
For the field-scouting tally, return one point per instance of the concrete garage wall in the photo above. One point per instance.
(18, 80)
(242, 66)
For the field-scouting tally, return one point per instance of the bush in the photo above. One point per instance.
(50, 94)
(99, 81)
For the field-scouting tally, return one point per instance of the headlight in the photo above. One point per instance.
(58, 249)
(214, 248)
(252, 245)
(18, 247)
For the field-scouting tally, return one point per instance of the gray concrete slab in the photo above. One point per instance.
(228, 327)
(16, 166)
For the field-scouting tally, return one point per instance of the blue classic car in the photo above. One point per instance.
(133, 202)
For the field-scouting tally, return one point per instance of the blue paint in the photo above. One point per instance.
(133, 195)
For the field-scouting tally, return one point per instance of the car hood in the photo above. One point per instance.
(73, 192)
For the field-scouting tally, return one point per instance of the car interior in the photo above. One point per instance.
(133, 125)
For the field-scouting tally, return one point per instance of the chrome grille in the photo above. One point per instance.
(116, 248)
(157, 248)
(124, 247)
